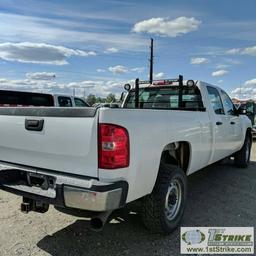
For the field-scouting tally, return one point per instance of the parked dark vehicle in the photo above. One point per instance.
(27, 99)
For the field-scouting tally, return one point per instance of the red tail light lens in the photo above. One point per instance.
(113, 148)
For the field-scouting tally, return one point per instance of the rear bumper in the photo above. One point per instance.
(63, 190)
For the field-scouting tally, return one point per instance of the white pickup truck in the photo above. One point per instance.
(93, 161)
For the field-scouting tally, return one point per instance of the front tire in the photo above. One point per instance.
(242, 157)
(163, 209)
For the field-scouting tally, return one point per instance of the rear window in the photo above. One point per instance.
(13, 98)
(166, 98)
(64, 101)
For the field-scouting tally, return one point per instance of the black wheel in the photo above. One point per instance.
(242, 157)
(163, 209)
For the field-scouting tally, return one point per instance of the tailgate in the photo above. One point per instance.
(67, 141)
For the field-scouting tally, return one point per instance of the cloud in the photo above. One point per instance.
(97, 87)
(39, 53)
(221, 72)
(41, 76)
(167, 27)
(197, 61)
(159, 75)
(138, 69)
(244, 93)
(251, 82)
(233, 51)
(111, 50)
(119, 69)
(222, 66)
(100, 70)
(69, 32)
(251, 51)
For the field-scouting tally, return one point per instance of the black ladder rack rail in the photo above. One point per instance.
(167, 81)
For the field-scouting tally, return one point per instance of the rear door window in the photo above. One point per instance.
(215, 100)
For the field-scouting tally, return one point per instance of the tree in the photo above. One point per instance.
(111, 98)
(91, 99)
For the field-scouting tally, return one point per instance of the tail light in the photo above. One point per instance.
(113, 148)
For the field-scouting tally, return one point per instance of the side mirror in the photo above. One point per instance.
(240, 111)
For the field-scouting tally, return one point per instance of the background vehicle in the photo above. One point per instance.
(26, 99)
(142, 151)
(106, 105)
(249, 106)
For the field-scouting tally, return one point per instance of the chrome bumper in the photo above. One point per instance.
(92, 200)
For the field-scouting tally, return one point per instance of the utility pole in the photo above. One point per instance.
(151, 61)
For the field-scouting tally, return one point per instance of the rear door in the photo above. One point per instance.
(220, 126)
(59, 139)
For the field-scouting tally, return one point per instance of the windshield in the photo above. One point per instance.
(166, 98)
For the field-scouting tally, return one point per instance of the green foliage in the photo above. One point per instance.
(92, 99)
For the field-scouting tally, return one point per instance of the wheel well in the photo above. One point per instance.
(177, 153)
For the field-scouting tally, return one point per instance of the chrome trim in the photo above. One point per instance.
(92, 200)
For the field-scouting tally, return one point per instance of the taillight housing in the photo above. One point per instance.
(113, 146)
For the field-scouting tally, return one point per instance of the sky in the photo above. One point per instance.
(98, 46)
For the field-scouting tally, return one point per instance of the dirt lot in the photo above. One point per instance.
(220, 195)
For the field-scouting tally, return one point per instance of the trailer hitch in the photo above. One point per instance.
(28, 205)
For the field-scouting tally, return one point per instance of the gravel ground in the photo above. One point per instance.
(219, 195)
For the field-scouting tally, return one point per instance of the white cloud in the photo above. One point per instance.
(251, 82)
(159, 75)
(221, 72)
(39, 53)
(233, 51)
(97, 87)
(41, 76)
(220, 81)
(138, 69)
(244, 93)
(243, 51)
(167, 27)
(250, 51)
(199, 60)
(222, 66)
(68, 32)
(111, 50)
(119, 69)
(100, 70)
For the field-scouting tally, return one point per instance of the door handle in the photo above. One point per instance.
(232, 122)
(218, 123)
(34, 125)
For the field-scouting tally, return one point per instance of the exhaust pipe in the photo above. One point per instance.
(98, 222)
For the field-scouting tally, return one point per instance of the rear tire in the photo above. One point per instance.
(242, 157)
(163, 209)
